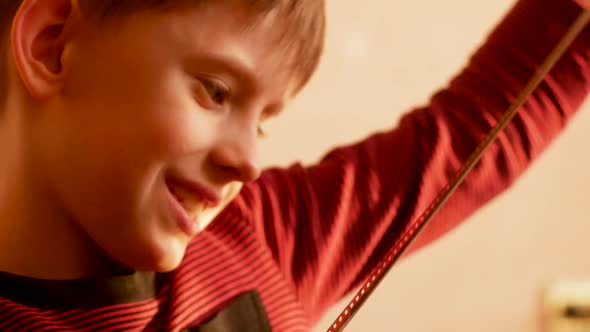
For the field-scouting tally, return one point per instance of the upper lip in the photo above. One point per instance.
(199, 191)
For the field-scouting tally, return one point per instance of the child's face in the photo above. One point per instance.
(144, 106)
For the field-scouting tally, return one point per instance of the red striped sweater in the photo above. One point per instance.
(304, 237)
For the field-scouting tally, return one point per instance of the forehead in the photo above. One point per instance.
(250, 44)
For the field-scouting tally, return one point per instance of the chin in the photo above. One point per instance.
(155, 257)
(165, 264)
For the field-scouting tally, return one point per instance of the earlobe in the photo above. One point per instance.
(38, 42)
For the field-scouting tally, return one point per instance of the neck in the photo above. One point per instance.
(37, 237)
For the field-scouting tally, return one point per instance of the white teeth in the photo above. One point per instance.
(193, 206)
(194, 209)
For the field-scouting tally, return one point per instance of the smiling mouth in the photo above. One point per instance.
(193, 197)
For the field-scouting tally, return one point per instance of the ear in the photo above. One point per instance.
(40, 33)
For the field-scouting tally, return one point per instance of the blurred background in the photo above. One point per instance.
(382, 59)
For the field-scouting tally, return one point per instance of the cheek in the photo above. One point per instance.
(136, 117)
(143, 102)
(115, 149)
(177, 127)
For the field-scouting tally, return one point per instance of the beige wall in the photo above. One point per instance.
(383, 58)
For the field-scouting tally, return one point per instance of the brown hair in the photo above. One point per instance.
(303, 37)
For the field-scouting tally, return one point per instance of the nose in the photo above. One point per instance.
(235, 158)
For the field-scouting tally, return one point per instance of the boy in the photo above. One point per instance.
(130, 195)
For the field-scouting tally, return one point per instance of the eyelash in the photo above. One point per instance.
(219, 95)
(261, 132)
(216, 91)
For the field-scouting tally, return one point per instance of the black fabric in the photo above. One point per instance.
(245, 314)
(79, 293)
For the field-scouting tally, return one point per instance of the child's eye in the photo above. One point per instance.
(218, 93)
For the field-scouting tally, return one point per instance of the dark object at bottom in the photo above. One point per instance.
(245, 314)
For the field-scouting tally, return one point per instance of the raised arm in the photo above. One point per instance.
(329, 224)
